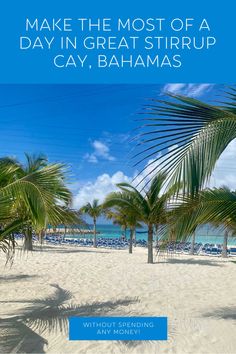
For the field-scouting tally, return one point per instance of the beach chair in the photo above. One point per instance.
(214, 251)
(232, 251)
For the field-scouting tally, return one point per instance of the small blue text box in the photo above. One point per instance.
(118, 328)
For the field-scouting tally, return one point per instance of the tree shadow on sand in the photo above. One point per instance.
(68, 250)
(23, 332)
(226, 313)
(13, 278)
(192, 261)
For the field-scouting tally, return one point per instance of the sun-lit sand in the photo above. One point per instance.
(198, 294)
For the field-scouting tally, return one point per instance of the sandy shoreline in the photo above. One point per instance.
(196, 293)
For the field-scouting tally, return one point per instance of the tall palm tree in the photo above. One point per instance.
(119, 217)
(31, 195)
(124, 218)
(94, 210)
(186, 137)
(149, 206)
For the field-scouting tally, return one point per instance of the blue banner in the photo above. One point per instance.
(117, 41)
(118, 328)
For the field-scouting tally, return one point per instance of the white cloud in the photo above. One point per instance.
(91, 158)
(105, 183)
(101, 151)
(225, 170)
(191, 90)
(98, 189)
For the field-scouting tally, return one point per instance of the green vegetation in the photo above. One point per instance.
(188, 139)
(94, 210)
(124, 216)
(191, 135)
(213, 206)
(149, 206)
(31, 196)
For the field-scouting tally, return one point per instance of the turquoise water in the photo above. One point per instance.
(204, 234)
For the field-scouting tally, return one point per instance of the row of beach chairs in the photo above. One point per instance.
(87, 242)
(199, 249)
(170, 248)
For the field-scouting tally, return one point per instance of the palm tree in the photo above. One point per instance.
(31, 195)
(119, 217)
(94, 210)
(211, 206)
(186, 137)
(124, 218)
(133, 224)
(149, 206)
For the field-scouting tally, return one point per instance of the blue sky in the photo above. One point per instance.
(89, 127)
(64, 121)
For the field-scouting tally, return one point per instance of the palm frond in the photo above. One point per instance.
(211, 206)
(190, 136)
(94, 210)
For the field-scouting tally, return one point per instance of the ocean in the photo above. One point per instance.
(204, 234)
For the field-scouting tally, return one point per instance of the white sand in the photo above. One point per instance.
(198, 294)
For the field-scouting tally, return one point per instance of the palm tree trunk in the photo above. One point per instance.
(64, 236)
(224, 248)
(131, 241)
(157, 241)
(150, 243)
(193, 243)
(41, 236)
(28, 243)
(134, 237)
(94, 233)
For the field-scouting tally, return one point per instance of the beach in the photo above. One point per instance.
(194, 292)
